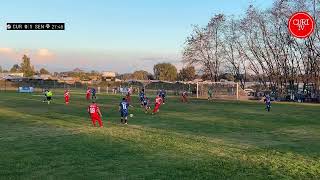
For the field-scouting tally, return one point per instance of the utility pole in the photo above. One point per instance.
(314, 10)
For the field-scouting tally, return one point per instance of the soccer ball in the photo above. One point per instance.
(131, 115)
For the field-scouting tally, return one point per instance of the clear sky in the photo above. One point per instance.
(111, 35)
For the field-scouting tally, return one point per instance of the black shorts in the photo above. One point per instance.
(124, 114)
(48, 98)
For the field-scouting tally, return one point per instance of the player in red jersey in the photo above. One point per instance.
(66, 96)
(88, 93)
(157, 105)
(95, 114)
(128, 98)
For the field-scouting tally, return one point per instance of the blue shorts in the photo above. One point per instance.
(124, 113)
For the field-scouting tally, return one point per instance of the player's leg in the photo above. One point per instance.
(147, 107)
(141, 102)
(121, 120)
(156, 108)
(126, 118)
(100, 122)
(93, 120)
(49, 100)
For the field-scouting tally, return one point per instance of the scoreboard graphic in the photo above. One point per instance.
(35, 26)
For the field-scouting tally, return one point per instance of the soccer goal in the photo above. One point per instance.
(218, 90)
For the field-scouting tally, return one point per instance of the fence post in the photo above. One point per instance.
(237, 91)
(197, 90)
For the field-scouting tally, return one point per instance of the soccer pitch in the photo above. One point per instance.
(198, 140)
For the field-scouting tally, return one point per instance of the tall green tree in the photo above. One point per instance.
(165, 72)
(26, 67)
(187, 74)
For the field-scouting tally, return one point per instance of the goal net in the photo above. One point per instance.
(218, 90)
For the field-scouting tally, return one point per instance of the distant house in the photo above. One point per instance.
(42, 77)
(9, 76)
(45, 76)
(36, 77)
(69, 80)
(108, 76)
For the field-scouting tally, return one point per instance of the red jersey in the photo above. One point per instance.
(93, 110)
(158, 100)
(88, 91)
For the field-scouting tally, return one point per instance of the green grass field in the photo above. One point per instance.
(199, 140)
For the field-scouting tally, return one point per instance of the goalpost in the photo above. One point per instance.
(218, 90)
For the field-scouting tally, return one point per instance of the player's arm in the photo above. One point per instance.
(88, 110)
(99, 112)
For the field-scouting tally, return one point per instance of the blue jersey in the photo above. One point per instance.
(145, 101)
(93, 90)
(268, 100)
(162, 93)
(124, 106)
(141, 95)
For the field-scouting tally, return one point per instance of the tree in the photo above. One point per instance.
(258, 46)
(15, 68)
(204, 47)
(126, 76)
(187, 74)
(233, 51)
(165, 72)
(44, 71)
(227, 76)
(150, 76)
(26, 68)
(140, 75)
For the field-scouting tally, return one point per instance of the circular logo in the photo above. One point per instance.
(301, 25)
